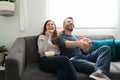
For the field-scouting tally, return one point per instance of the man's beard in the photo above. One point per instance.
(69, 27)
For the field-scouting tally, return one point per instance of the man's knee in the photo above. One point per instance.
(105, 47)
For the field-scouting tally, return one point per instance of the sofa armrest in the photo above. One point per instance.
(15, 61)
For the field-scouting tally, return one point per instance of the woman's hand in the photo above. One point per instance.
(48, 33)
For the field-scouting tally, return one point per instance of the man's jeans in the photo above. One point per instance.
(99, 59)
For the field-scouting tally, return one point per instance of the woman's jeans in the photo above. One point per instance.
(99, 59)
(59, 65)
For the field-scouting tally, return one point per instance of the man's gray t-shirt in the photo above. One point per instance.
(70, 52)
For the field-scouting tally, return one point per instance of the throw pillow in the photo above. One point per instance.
(117, 45)
(108, 42)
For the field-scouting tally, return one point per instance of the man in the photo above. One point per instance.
(96, 63)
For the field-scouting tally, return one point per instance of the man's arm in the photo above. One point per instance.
(85, 46)
(72, 44)
(63, 42)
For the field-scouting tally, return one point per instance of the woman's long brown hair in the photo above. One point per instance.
(54, 36)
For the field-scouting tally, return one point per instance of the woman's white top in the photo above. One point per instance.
(45, 44)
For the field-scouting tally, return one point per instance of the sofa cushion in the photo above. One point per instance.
(32, 72)
(99, 37)
(108, 42)
(31, 49)
(117, 45)
(115, 70)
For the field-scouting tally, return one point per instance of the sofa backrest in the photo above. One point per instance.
(99, 37)
(31, 49)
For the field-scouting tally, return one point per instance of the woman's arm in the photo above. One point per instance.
(42, 44)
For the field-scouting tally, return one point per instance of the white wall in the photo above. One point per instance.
(10, 26)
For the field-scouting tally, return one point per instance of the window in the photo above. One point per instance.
(86, 13)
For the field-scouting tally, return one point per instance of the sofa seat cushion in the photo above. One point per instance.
(115, 70)
(83, 76)
(32, 72)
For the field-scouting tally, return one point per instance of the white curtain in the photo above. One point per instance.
(23, 15)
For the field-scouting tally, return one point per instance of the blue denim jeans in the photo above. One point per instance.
(59, 65)
(99, 59)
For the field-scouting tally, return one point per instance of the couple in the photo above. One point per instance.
(71, 58)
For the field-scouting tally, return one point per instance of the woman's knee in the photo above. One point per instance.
(65, 58)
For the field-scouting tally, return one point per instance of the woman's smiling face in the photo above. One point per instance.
(50, 26)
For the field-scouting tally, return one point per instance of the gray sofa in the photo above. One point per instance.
(22, 61)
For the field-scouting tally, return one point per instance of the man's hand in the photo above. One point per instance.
(84, 38)
(60, 32)
(85, 45)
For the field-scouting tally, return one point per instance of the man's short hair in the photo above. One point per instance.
(67, 18)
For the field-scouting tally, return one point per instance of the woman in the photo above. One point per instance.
(50, 59)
